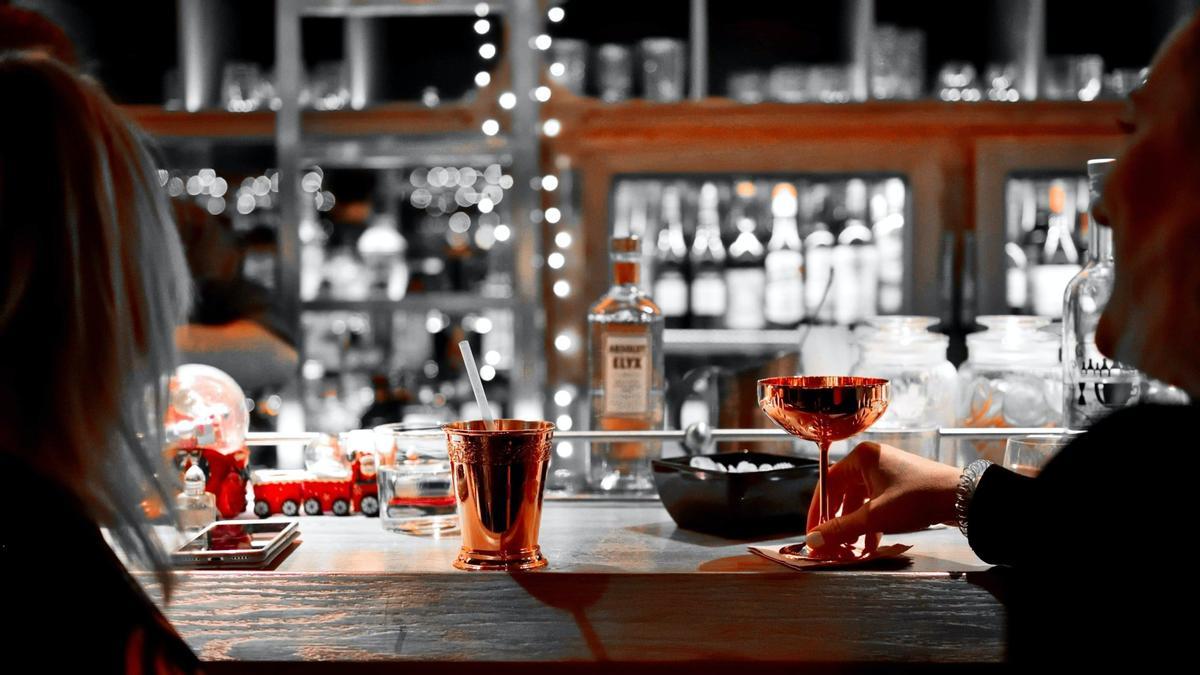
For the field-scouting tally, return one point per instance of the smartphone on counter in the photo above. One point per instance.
(236, 543)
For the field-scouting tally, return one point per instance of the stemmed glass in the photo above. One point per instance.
(823, 409)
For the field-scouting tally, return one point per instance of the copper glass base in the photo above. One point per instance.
(499, 477)
(525, 559)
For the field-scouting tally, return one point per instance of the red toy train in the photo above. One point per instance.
(287, 491)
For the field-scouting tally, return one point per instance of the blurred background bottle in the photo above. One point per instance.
(1093, 384)
(709, 293)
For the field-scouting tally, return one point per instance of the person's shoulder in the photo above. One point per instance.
(1127, 435)
(1146, 420)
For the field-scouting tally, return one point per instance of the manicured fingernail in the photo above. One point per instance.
(814, 539)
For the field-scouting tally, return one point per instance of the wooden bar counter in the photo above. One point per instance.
(626, 591)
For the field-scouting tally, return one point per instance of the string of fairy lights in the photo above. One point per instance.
(566, 341)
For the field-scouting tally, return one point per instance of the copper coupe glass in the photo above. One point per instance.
(823, 409)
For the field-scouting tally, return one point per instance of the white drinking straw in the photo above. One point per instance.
(476, 384)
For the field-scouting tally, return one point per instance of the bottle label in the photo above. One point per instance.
(627, 365)
(1016, 288)
(671, 295)
(820, 267)
(784, 301)
(747, 290)
(1097, 385)
(708, 295)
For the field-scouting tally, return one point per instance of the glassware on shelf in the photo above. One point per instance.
(829, 83)
(1121, 82)
(897, 63)
(788, 84)
(568, 64)
(664, 69)
(957, 81)
(327, 86)
(924, 384)
(242, 87)
(172, 90)
(1089, 71)
(1012, 378)
(910, 55)
(614, 72)
(1001, 80)
(749, 86)
(1073, 77)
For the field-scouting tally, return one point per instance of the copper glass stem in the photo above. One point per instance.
(822, 481)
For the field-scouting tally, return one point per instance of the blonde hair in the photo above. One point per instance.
(93, 283)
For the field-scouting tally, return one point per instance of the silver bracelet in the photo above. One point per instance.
(966, 489)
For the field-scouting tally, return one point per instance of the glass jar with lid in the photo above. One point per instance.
(1012, 378)
(923, 381)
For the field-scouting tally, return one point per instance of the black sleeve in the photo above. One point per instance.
(1099, 491)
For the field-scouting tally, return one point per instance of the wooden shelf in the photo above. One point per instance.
(407, 119)
(204, 125)
(445, 301)
(690, 122)
(393, 118)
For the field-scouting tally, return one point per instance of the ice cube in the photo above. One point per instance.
(745, 467)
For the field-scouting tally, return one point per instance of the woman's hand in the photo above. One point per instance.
(881, 489)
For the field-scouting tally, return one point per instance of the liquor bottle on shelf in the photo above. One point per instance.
(783, 305)
(625, 371)
(745, 276)
(887, 225)
(312, 252)
(855, 260)
(382, 248)
(1020, 212)
(1093, 383)
(670, 258)
(1058, 261)
(709, 294)
(819, 300)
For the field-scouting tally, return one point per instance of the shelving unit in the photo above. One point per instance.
(405, 135)
(955, 158)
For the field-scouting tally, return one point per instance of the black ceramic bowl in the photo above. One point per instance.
(737, 504)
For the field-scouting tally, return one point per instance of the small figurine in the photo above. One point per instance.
(197, 507)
